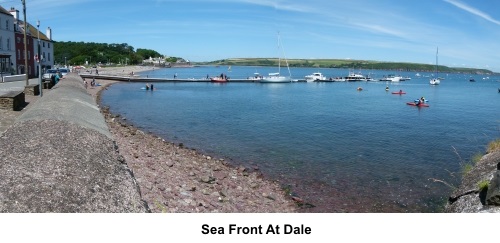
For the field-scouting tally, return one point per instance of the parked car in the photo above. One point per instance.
(64, 71)
(48, 74)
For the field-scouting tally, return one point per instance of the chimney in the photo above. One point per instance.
(49, 33)
(14, 13)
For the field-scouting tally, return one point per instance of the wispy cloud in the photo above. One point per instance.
(282, 5)
(472, 10)
(375, 28)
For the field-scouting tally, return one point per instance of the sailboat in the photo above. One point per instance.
(277, 77)
(436, 81)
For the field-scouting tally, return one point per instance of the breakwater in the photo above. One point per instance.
(153, 80)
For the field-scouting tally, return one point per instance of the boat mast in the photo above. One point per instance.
(279, 56)
(284, 56)
(437, 71)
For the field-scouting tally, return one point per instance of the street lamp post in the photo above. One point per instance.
(39, 59)
(25, 44)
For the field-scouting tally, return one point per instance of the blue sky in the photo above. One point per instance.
(467, 32)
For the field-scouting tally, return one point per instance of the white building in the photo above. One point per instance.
(15, 31)
(7, 42)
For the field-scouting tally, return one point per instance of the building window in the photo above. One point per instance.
(7, 25)
(29, 55)
(1, 43)
(49, 57)
(8, 44)
(18, 54)
(48, 44)
(43, 43)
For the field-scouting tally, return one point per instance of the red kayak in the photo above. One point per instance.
(399, 93)
(415, 104)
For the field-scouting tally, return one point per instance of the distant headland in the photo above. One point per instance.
(347, 63)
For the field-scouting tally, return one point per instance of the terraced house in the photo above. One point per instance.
(12, 51)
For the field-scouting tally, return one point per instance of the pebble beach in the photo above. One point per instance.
(176, 179)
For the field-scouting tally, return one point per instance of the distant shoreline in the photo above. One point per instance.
(348, 64)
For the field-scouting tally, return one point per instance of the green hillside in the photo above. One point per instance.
(343, 63)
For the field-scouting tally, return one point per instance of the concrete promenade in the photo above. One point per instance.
(58, 156)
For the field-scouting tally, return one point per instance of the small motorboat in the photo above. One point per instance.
(218, 80)
(315, 77)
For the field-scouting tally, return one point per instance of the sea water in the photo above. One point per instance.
(339, 149)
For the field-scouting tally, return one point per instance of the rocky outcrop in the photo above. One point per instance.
(471, 196)
(59, 157)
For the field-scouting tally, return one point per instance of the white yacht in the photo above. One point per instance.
(315, 77)
(392, 78)
(355, 77)
(277, 77)
(436, 80)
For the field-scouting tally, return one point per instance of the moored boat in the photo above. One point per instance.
(219, 79)
(355, 77)
(256, 77)
(315, 77)
(436, 80)
(392, 78)
(276, 77)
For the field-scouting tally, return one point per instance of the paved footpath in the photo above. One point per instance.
(7, 117)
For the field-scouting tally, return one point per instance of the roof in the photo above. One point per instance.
(4, 11)
(32, 29)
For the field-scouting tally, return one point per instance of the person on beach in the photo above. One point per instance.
(85, 83)
(151, 87)
(175, 75)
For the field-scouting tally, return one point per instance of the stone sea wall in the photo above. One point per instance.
(59, 157)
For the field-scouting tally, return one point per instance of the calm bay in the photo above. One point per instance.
(339, 149)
